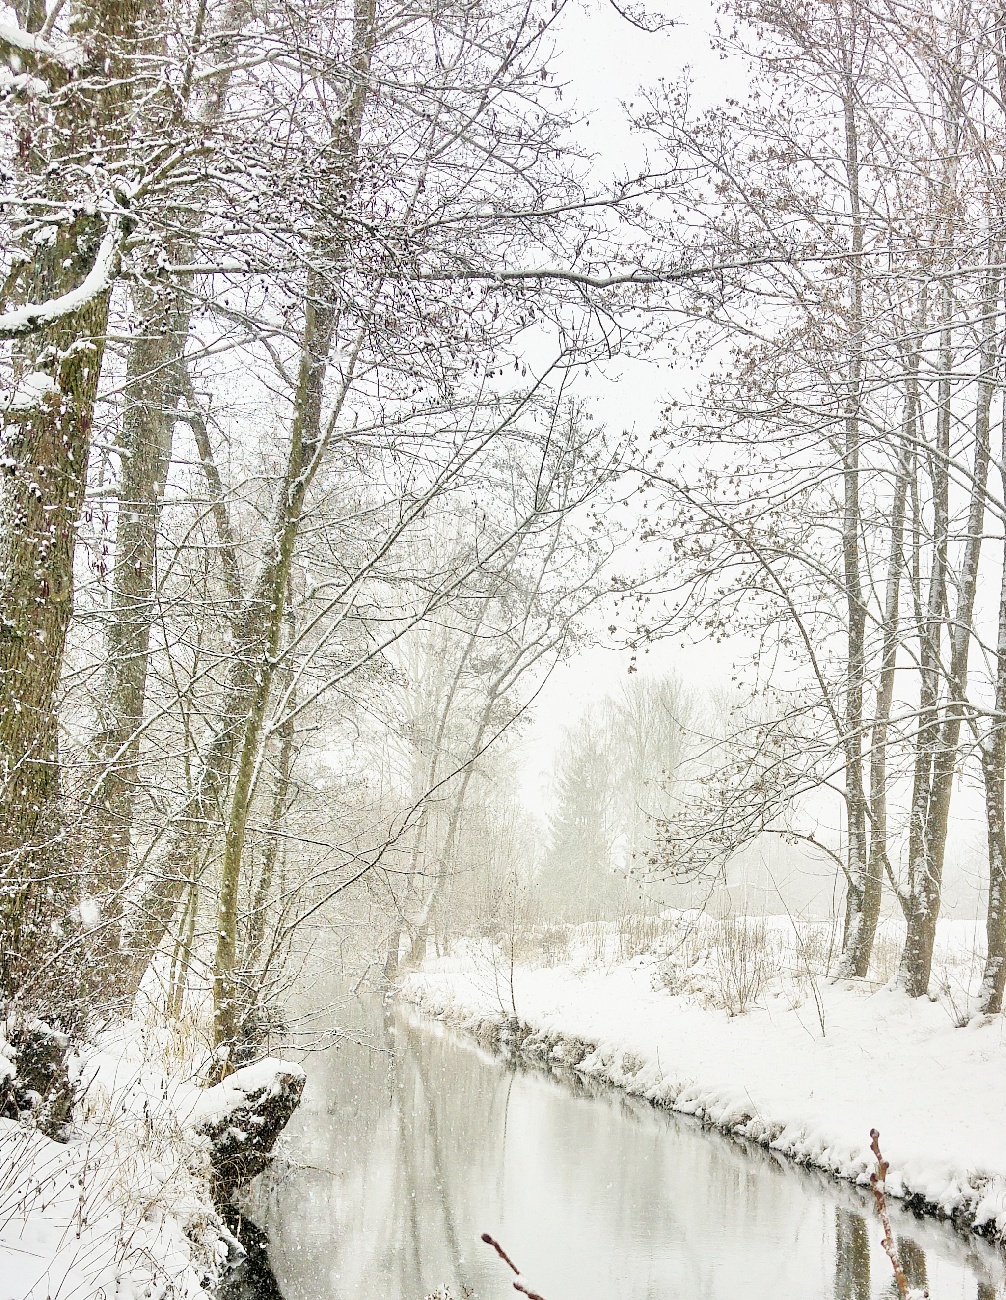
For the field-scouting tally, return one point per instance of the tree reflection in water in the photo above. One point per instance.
(852, 1256)
(913, 1261)
(412, 1142)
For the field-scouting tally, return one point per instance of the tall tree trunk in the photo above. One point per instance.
(993, 757)
(46, 443)
(240, 720)
(259, 651)
(47, 449)
(858, 953)
(917, 958)
(305, 446)
(156, 376)
(151, 393)
(857, 938)
(930, 625)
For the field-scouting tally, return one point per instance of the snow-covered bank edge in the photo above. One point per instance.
(974, 1204)
(132, 1204)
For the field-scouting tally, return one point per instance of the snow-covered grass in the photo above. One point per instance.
(743, 1024)
(122, 1210)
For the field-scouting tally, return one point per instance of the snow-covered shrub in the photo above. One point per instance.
(686, 968)
(553, 940)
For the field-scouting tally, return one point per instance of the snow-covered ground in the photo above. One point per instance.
(122, 1210)
(739, 1023)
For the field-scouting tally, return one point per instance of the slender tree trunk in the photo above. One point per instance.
(260, 651)
(417, 928)
(857, 938)
(156, 376)
(237, 735)
(148, 419)
(264, 885)
(305, 446)
(917, 958)
(993, 746)
(993, 756)
(181, 958)
(858, 953)
(930, 622)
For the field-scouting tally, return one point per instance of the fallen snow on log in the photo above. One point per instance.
(807, 1070)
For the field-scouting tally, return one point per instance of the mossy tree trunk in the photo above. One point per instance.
(46, 441)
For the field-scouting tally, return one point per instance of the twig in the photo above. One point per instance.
(518, 1284)
(877, 1181)
(491, 1241)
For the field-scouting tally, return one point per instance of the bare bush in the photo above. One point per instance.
(595, 937)
(885, 957)
(815, 945)
(553, 943)
(744, 961)
(638, 935)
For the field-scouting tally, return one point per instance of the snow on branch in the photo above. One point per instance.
(35, 316)
(639, 276)
(25, 47)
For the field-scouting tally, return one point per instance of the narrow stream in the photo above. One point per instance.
(411, 1142)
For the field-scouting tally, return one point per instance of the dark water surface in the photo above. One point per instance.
(411, 1143)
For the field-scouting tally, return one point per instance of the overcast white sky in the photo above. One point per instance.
(603, 62)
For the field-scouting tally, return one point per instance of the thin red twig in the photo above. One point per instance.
(518, 1284)
(500, 1251)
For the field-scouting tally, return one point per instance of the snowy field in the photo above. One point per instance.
(739, 1022)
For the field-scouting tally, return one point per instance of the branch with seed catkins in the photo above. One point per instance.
(877, 1181)
(518, 1284)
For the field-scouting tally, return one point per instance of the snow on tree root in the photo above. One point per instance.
(242, 1117)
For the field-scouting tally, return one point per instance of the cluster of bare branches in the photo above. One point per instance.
(832, 489)
(295, 495)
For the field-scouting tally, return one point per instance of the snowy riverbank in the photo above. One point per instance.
(123, 1209)
(807, 1069)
